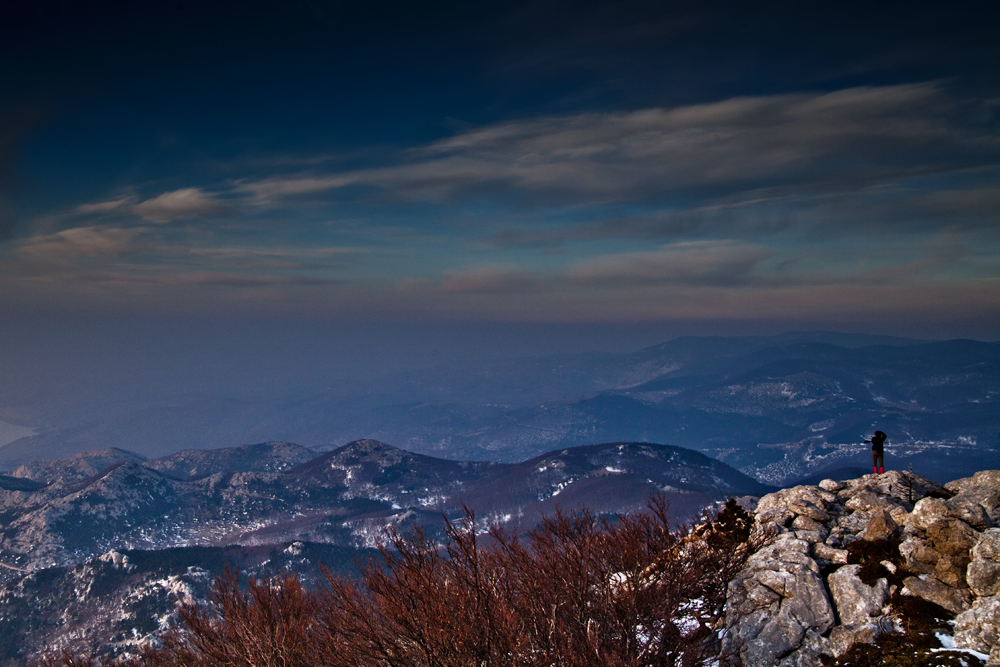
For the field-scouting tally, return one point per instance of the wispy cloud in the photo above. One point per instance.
(110, 206)
(179, 204)
(854, 136)
(91, 241)
(696, 263)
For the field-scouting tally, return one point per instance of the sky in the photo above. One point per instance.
(695, 166)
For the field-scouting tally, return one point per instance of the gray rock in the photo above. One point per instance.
(805, 495)
(983, 573)
(975, 505)
(953, 599)
(927, 511)
(920, 558)
(951, 537)
(779, 550)
(779, 516)
(812, 646)
(762, 596)
(803, 522)
(811, 536)
(979, 627)
(983, 577)
(988, 546)
(843, 637)
(899, 514)
(960, 485)
(761, 630)
(881, 526)
(988, 478)
(830, 485)
(868, 501)
(971, 507)
(856, 602)
(782, 583)
(805, 508)
(951, 570)
(994, 658)
(894, 484)
(853, 523)
(830, 554)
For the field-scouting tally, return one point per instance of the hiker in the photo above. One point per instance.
(878, 461)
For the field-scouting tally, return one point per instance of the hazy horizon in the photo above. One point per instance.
(210, 210)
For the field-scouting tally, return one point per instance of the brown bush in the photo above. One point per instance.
(579, 590)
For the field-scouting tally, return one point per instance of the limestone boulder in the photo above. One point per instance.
(761, 596)
(856, 602)
(950, 570)
(869, 501)
(919, 556)
(831, 485)
(804, 507)
(779, 516)
(899, 514)
(901, 485)
(881, 526)
(978, 628)
(828, 553)
(843, 637)
(971, 507)
(987, 478)
(983, 577)
(803, 522)
(926, 512)
(986, 497)
(774, 604)
(955, 600)
(952, 537)
(983, 572)
(854, 522)
(812, 536)
(808, 654)
(988, 546)
(811, 495)
(960, 485)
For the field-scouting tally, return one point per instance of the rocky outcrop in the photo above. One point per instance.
(780, 599)
(979, 627)
(857, 603)
(983, 573)
(807, 593)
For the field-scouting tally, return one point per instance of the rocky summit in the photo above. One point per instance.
(847, 556)
(845, 566)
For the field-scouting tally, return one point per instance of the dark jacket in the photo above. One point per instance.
(877, 441)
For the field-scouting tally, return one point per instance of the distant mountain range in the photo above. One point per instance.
(777, 408)
(97, 548)
(59, 513)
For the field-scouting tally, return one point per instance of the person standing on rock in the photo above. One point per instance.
(878, 459)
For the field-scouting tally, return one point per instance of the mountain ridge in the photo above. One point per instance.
(342, 497)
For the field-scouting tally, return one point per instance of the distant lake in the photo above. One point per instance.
(11, 432)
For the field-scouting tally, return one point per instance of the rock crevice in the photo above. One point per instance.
(843, 551)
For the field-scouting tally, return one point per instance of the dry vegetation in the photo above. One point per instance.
(579, 590)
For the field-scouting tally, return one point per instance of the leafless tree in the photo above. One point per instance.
(579, 590)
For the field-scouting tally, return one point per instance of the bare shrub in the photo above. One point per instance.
(579, 590)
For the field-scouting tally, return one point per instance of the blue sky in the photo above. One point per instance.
(728, 166)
